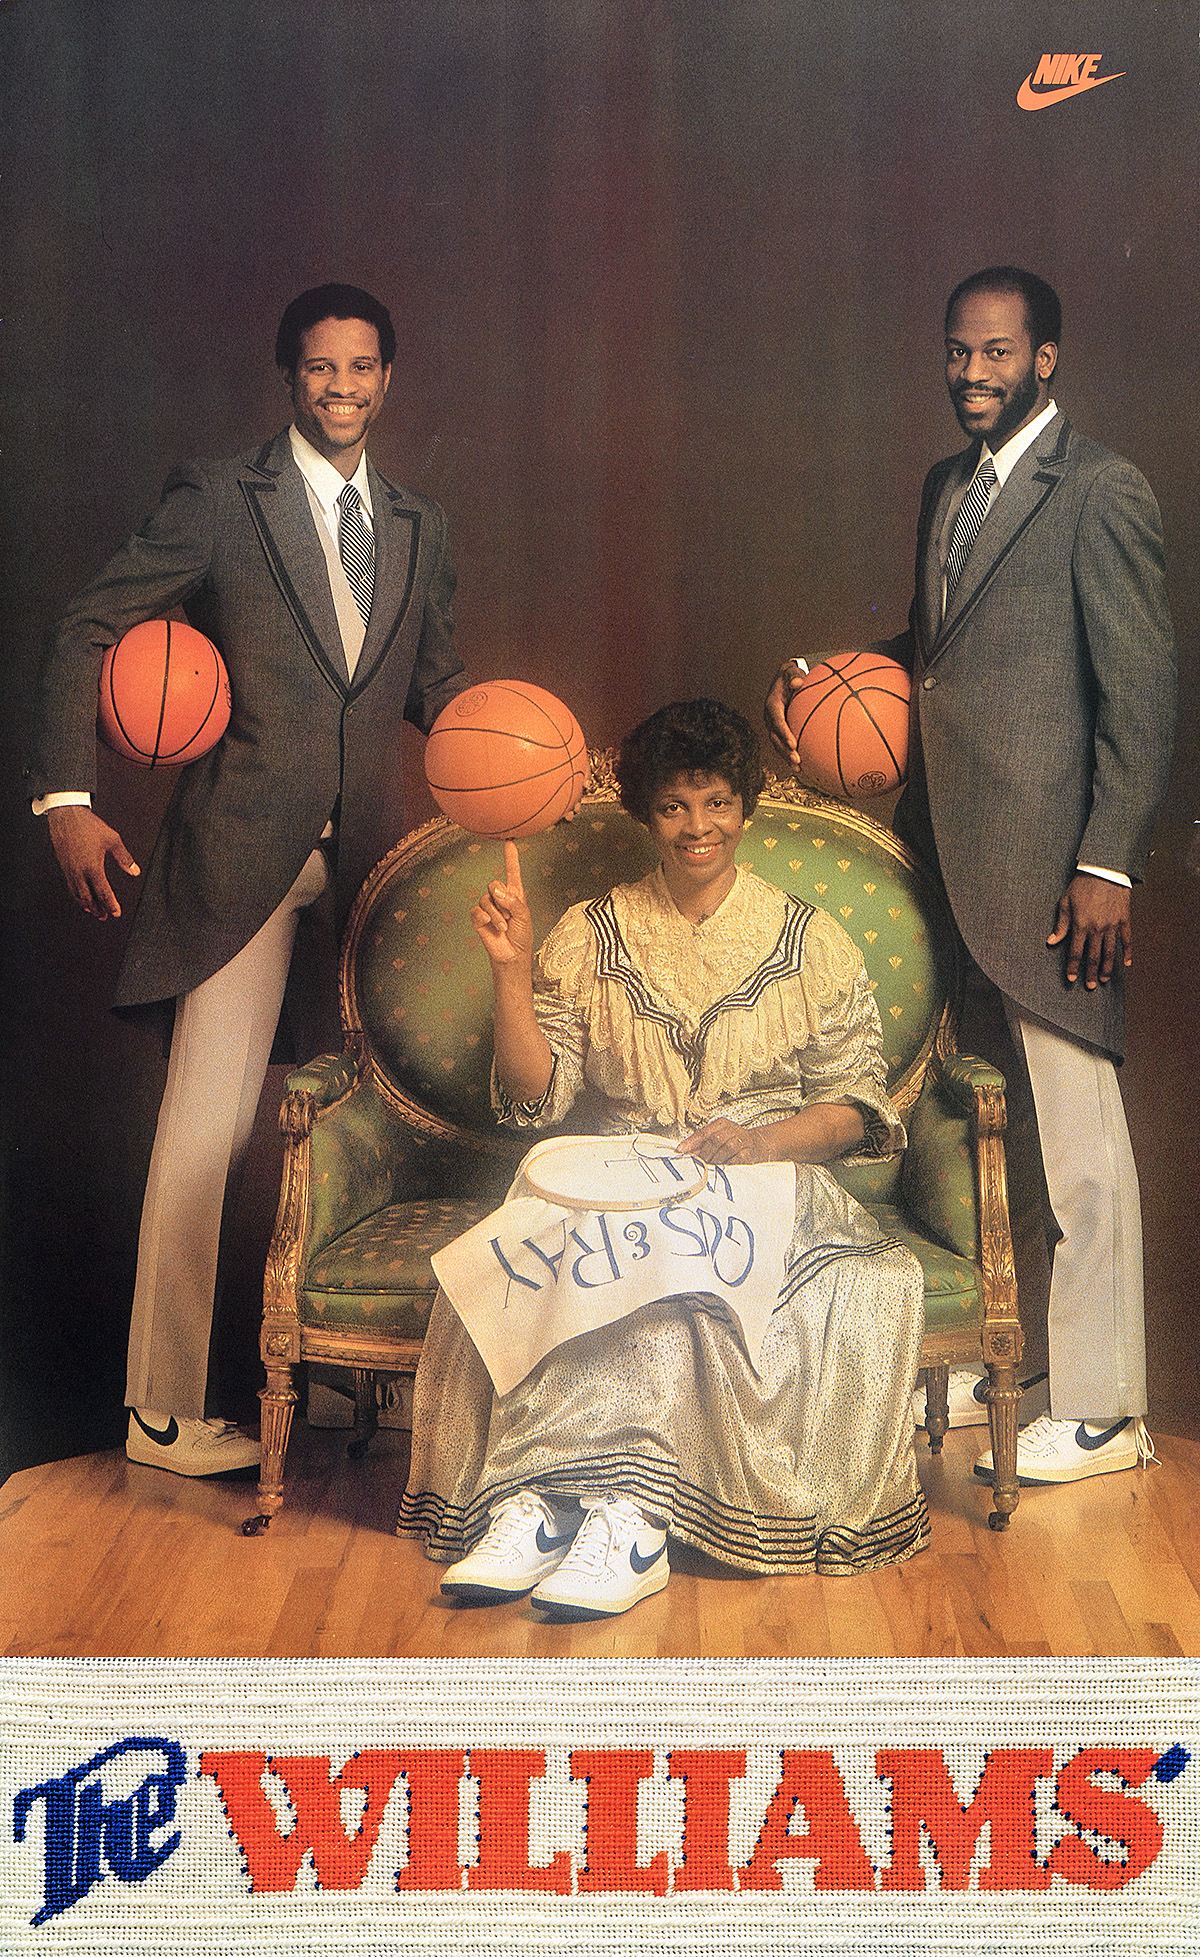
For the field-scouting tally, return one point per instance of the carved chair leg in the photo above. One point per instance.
(366, 1413)
(937, 1404)
(1003, 1398)
(278, 1397)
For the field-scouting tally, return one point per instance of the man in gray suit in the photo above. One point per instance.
(1042, 658)
(328, 591)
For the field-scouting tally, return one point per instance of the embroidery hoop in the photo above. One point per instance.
(612, 1172)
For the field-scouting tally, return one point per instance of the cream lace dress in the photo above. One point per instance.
(805, 1463)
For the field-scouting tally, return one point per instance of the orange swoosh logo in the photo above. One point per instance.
(1026, 98)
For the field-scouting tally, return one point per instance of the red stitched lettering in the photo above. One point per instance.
(923, 1796)
(810, 1779)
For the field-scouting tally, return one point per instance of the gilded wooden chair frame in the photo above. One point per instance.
(414, 1130)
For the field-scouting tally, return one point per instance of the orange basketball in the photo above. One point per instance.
(850, 720)
(506, 759)
(164, 694)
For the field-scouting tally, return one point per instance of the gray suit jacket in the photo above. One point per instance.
(1043, 709)
(234, 544)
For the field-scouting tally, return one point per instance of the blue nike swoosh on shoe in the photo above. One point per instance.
(1090, 1442)
(643, 1563)
(169, 1434)
(546, 1543)
(979, 1391)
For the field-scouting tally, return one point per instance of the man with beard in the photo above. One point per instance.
(1042, 658)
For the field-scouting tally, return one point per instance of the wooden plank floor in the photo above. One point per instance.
(105, 1558)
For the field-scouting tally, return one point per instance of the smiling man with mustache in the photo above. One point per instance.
(1042, 657)
(328, 591)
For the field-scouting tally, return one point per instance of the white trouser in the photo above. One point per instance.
(220, 1050)
(1096, 1324)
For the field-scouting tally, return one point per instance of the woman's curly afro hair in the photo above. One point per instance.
(690, 737)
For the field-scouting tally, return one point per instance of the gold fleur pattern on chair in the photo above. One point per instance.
(420, 980)
(832, 858)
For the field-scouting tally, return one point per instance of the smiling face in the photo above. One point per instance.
(696, 824)
(997, 379)
(337, 388)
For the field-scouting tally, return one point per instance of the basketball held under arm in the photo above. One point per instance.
(524, 1060)
(162, 565)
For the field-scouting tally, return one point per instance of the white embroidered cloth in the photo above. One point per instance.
(534, 1274)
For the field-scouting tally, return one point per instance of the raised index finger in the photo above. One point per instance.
(512, 870)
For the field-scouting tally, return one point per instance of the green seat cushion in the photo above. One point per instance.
(378, 1275)
(953, 1288)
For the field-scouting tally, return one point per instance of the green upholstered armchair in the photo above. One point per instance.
(392, 1149)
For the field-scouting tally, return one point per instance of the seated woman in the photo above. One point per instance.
(702, 1004)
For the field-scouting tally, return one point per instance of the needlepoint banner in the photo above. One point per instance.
(608, 1807)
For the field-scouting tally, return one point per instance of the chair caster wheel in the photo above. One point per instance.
(997, 1521)
(356, 1449)
(256, 1525)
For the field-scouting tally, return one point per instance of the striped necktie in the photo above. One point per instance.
(971, 512)
(356, 548)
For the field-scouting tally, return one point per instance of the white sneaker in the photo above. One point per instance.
(526, 1539)
(616, 1559)
(1069, 1450)
(967, 1405)
(967, 1397)
(189, 1447)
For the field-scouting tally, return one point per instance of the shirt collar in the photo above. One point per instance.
(323, 479)
(1011, 451)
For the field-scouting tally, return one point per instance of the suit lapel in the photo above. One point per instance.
(278, 503)
(397, 535)
(958, 471)
(1029, 488)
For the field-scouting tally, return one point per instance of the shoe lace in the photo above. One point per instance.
(509, 1521)
(1042, 1433)
(606, 1526)
(1145, 1446)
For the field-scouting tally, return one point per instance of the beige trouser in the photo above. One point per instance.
(1095, 1326)
(220, 1050)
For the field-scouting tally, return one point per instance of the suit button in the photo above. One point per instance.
(929, 683)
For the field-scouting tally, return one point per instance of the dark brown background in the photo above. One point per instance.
(668, 282)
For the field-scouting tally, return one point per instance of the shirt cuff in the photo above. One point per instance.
(1109, 876)
(61, 798)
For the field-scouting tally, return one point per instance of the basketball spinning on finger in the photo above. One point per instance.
(164, 695)
(506, 759)
(849, 717)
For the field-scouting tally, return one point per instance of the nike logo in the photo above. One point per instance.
(980, 1390)
(166, 1438)
(1090, 1442)
(546, 1543)
(642, 1563)
(1059, 75)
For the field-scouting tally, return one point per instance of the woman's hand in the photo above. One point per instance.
(502, 917)
(524, 1061)
(723, 1142)
(819, 1133)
